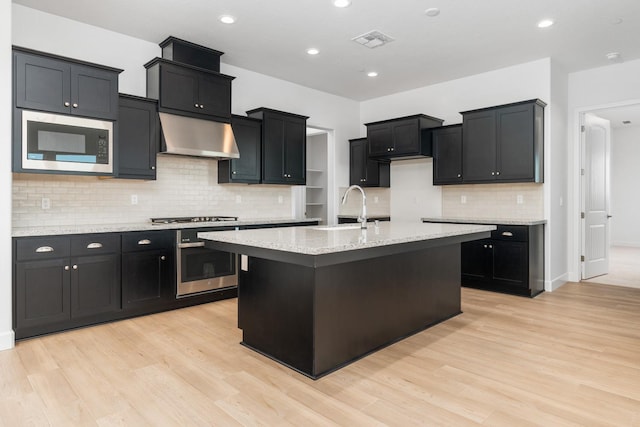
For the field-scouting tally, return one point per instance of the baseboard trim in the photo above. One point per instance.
(7, 340)
(552, 285)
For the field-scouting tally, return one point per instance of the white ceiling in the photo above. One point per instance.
(468, 37)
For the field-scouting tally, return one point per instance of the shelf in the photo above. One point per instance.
(314, 187)
(315, 204)
(315, 170)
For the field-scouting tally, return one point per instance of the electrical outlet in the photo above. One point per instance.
(463, 199)
(238, 198)
(519, 199)
(280, 200)
(134, 199)
(46, 203)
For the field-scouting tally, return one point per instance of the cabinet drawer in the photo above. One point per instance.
(147, 240)
(516, 233)
(94, 244)
(42, 248)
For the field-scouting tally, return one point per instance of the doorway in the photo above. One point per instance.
(623, 240)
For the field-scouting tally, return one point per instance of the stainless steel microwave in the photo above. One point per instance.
(55, 142)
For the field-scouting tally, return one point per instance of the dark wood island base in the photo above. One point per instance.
(317, 319)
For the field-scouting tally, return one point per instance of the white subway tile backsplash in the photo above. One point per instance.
(185, 186)
(493, 201)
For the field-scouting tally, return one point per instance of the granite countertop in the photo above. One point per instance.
(320, 240)
(493, 221)
(375, 216)
(142, 226)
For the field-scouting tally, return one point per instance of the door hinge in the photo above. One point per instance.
(581, 258)
(582, 172)
(582, 215)
(582, 129)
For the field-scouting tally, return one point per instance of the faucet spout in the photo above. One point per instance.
(362, 219)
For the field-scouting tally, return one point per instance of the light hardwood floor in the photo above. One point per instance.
(567, 358)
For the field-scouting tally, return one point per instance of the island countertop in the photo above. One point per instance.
(312, 245)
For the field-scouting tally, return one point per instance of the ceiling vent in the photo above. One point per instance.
(373, 39)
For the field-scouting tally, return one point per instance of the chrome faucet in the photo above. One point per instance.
(362, 219)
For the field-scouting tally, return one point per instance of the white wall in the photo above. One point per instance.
(593, 89)
(625, 176)
(6, 331)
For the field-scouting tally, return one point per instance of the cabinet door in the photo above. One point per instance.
(479, 146)
(295, 149)
(510, 264)
(179, 88)
(406, 136)
(94, 92)
(476, 261)
(248, 134)
(380, 138)
(447, 155)
(147, 278)
(42, 83)
(95, 284)
(42, 293)
(138, 139)
(515, 145)
(273, 149)
(358, 161)
(214, 95)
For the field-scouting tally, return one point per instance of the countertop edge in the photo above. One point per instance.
(488, 221)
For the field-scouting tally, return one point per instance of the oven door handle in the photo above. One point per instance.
(191, 245)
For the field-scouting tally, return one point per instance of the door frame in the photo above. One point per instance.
(576, 190)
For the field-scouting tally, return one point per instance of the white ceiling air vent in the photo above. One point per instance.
(373, 39)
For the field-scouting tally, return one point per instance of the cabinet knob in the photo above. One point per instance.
(485, 246)
(75, 105)
(66, 104)
(201, 106)
(75, 266)
(196, 105)
(388, 149)
(493, 173)
(162, 258)
(459, 176)
(393, 149)
(498, 173)
(234, 172)
(490, 246)
(153, 168)
(66, 268)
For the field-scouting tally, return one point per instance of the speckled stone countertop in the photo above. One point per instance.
(493, 221)
(320, 240)
(369, 217)
(143, 226)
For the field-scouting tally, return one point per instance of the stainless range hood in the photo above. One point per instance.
(196, 137)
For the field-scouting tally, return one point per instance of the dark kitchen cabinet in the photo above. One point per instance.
(447, 154)
(284, 141)
(363, 170)
(61, 85)
(504, 143)
(403, 137)
(148, 272)
(65, 282)
(138, 138)
(511, 261)
(189, 90)
(246, 169)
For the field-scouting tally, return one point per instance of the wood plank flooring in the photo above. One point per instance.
(567, 358)
(624, 268)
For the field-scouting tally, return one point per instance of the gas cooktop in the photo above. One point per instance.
(190, 219)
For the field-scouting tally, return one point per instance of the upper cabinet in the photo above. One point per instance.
(504, 143)
(283, 146)
(188, 90)
(403, 137)
(138, 138)
(363, 170)
(447, 154)
(246, 169)
(61, 85)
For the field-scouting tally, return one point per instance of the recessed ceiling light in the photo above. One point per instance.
(313, 51)
(341, 3)
(626, 122)
(432, 11)
(372, 74)
(227, 19)
(545, 23)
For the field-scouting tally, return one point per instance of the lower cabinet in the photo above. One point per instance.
(148, 272)
(65, 282)
(511, 261)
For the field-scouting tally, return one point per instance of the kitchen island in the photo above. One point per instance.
(317, 298)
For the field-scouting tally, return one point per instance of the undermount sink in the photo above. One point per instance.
(337, 227)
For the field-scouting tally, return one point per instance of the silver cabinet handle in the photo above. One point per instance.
(66, 268)
(75, 105)
(66, 104)
(94, 245)
(75, 266)
(144, 242)
(43, 249)
(507, 233)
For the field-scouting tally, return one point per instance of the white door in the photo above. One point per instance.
(596, 135)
